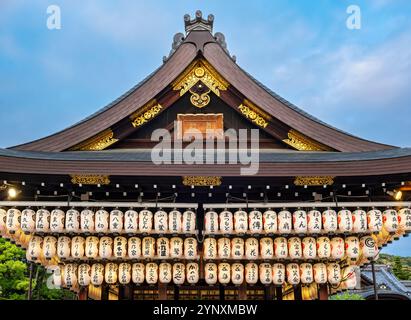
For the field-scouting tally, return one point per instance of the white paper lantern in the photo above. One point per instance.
(251, 249)
(334, 273)
(175, 222)
(295, 250)
(116, 221)
(161, 221)
(192, 272)
(352, 248)
(110, 273)
(138, 273)
(350, 276)
(145, 221)
(97, 274)
(344, 220)
(57, 276)
(404, 220)
(42, 220)
(3, 215)
(84, 275)
(134, 248)
(240, 222)
(151, 273)
(281, 248)
(28, 221)
(337, 248)
(72, 221)
(190, 248)
(92, 247)
(34, 249)
(211, 273)
(57, 221)
(279, 274)
(224, 248)
(369, 249)
(189, 221)
(314, 221)
(120, 247)
(102, 221)
(237, 274)
(163, 248)
(359, 218)
(226, 222)
(179, 276)
(70, 275)
(87, 221)
(309, 246)
(330, 222)
(255, 222)
(124, 273)
(63, 247)
(266, 248)
(284, 222)
(265, 273)
(306, 273)
(148, 247)
(210, 248)
(237, 248)
(13, 220)
(77, 247)
(300, 221)
(131, 221)
(211, 222)
(320, 273)
(374, 220)
(106, 248)
(323, 248)
(224, 273)
(251, 273)
(49, 247)
(270, 221)
(176, 248)
(165, 272)
(390, 220)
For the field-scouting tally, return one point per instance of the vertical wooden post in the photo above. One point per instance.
(222, 293)
(82, 294)
(121, 292)
(129, 291)
(242, 291)
(176, 293)
(162, 291)
(298, 292)
(374, 280)
(269, 293)
(279, 293)
(323, 292)
(105, 291)
(30, 291)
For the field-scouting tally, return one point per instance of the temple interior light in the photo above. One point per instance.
(12, 193)
(396, 194)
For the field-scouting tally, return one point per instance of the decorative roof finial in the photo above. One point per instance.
(198, 23)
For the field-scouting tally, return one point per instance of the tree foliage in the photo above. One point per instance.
(347, 296)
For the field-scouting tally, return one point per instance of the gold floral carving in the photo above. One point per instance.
(89, 179)
(200, 100)
(147, 113)
(251, 112)
(314, 181)
(303, 143)
(200, 181)
(98, 142)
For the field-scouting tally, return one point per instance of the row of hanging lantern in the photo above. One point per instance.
(293, 248)
(311, 222)
(118, 248)
(101, 221)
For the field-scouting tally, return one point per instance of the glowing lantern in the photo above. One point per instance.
(176, 248)
(237, 248)
(323, 247)
(106, 248)
(306, 273)
(251, 249)
(87, 221)
(320, 273)
(192, 272)
(120, 247)
(265, 273)
(28, 221)
(57, 276)
(148, 247)
(165, 272)
(359, 218)
(300, 221)
(145, 221)
(190, 248)
(390, 220)
(210, 248)
(404, 220)
(70, 275)
(84, 275)
(124, 273)
(42, 220)
(57, 221)
(163, 248)
(77, 247)
(237, 274)
(161, 221)
(337, 248)
(369, 249)
(49, 247)
(345, 220)
(255, 222)
(266, 248)
(314, 221)
(374, 220)
(293, 274)
(116, 221)
(281, 248)
(72, 221)
(240, 222)
(352, 248)
(330, 222)
(334, 273)
(175, 222)
(34, 248)
(211, 273)
(251, 273)
(284, 222)
(92, 247)
(134, 248)
(130, 221)
(270, 221)
(309, 246)
(63, 247)
(13, 220)
(224, 273)
(101, 217)
(211, 222)
(295, 250)
(138, 273)
(350, 276)
(97, 274)
(3, 215)
(179, 276)
(189, 221)
(110, 273)
(278, 274)
(224, 248)
(226, 222)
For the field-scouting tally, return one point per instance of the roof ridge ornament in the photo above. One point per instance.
(198, 23)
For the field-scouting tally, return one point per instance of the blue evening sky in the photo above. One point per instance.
(356, 80)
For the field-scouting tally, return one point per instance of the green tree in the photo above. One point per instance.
(347, 296)
(399, 271)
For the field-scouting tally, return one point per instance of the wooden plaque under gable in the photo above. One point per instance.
(208, 125)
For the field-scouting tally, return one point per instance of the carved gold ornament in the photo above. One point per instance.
(314, 181)
(303, 143)
(147, 113)
(200, 100)
(89, 179)
(98, 142)
(251, 112)
(201, 181)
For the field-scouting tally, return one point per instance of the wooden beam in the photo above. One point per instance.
(323, 292)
